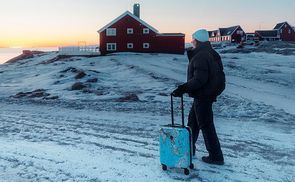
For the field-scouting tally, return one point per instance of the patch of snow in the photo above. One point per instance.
(88, 135)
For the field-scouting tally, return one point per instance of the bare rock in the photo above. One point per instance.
(39, 93)
(80, 75)
(129, 98)
(20, 95)
(78, 86)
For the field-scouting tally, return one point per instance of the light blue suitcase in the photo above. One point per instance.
(176, 144)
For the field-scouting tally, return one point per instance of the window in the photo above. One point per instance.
(111, 32)
(111, 46)
(130, 45)
(289, 31)
(146, 31)
(129, 30)
(146, 45)
(281, 30)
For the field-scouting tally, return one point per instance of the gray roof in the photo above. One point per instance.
(229, 30)
(123, 15)
(280, 25)
(267, 33)
(224, 31)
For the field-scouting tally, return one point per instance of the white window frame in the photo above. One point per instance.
(289, 31)
(146, 45)
(145, 31)
(113, 46)
(129, 45)
(111, 32)
(130, 31)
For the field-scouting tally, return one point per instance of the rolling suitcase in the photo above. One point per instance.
(176, 144)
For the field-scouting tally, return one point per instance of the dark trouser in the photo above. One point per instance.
(201, 118)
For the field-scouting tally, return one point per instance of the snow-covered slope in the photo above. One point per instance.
(107, 130)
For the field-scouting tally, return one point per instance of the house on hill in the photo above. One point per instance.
(285, 31)
(129, 33)
(282, 31)
(233, 34)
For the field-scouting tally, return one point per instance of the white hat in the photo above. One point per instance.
(201, 35)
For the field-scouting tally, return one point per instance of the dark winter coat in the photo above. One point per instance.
(205, 76)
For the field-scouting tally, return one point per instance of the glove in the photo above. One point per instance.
(179, 91)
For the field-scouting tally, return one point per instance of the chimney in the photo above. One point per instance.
(136, 10)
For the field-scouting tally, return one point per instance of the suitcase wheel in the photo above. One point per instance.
(191, 166)
(186, 171)
(164, 167)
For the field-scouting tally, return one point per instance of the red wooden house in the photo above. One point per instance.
(129, 33)
(282, 31)
(285, 31)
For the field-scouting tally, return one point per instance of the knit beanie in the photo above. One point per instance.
(201, 35)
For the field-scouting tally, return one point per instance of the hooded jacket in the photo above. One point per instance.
(205, 76)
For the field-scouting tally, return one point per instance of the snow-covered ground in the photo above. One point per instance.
(109, 130)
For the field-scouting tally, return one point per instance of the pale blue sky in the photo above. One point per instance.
(64, 22)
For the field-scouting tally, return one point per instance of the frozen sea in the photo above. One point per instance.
(9, 53)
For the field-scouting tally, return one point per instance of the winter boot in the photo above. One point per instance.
(210, 160)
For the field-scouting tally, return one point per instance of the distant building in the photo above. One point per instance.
(285, 31)
(129, 33)
(233, 34)
(268, 35)
(282, 31)
(79, 51)
(251, 38)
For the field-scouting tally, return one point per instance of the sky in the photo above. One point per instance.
(46, 23)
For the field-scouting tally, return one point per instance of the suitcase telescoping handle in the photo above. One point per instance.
(182, 111)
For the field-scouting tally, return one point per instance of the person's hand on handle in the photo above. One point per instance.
(179, 91)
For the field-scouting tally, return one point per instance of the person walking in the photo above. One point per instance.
(205, 81)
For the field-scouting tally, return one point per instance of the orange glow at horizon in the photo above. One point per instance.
(64, 39)
(31, 23)
(89, 36)
(28, 42)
